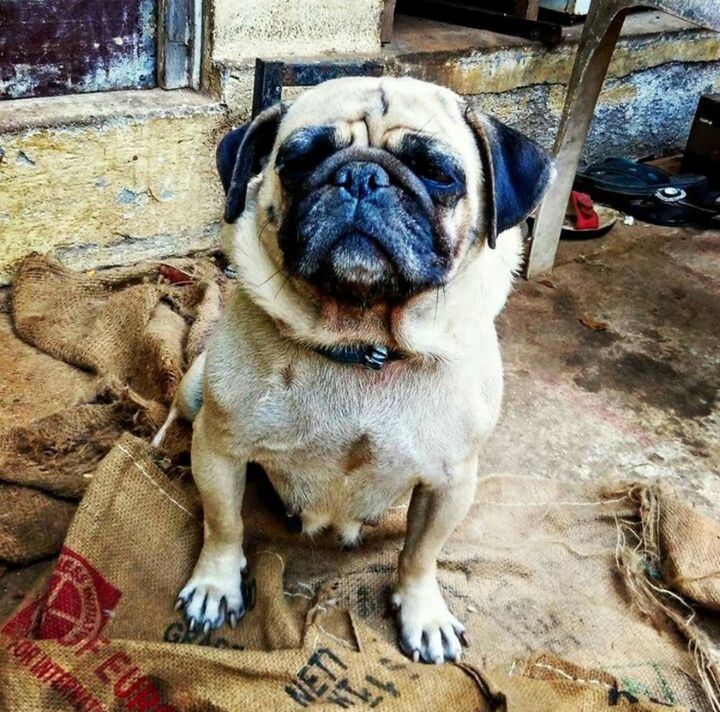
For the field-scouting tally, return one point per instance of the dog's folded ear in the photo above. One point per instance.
(517, 172)
(241, 154)
(226, 153)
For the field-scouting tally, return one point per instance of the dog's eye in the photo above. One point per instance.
(303, 151)
(300, 164)
(438, 178)
(434, 164)
(434, 174)
(296, 169)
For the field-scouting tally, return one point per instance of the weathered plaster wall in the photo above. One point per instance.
(646, 106)
(645, 113)
(110, 189)
(257, 28)
(113, 178)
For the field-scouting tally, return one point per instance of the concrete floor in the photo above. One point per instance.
(636, 399)
(636, 396)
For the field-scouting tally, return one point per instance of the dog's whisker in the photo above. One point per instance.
(426, 124)
(273, 275)
(263, 227)
(282, 286)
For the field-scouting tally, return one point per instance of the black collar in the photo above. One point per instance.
(372, 356)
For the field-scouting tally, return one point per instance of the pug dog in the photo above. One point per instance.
(372, 225)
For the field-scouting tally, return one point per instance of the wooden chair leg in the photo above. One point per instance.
(600, 33)
(527, 9)
(599, 36)
(387, 21)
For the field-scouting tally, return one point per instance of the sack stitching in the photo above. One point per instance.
(567, 676)
(552, 504)
(162, 491)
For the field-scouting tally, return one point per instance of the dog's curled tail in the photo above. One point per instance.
(188, 399)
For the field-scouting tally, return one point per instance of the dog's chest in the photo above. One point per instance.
(360, 421)
(342, 449)
(325, 430)
(336, 455)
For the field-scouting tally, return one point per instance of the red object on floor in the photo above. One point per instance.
(585, 216)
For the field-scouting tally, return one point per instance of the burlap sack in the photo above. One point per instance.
(137, 328)
(541, 572)
(109, 607)
(130, 324)
(669, 565)
(58, 454)
(688, 549)
(32, 524)
(530, 571)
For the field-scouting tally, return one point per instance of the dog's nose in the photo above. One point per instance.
(361, 178)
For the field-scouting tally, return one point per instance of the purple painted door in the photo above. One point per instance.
(50, 47)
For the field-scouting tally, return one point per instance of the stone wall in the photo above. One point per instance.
(112, 189)
(258, 28)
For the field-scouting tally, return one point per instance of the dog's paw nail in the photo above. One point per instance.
(416, 656)
(179, 604)
(191, 624)
(206, 627)
(233, 618)
(464, 639)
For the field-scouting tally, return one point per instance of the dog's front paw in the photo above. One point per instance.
(211, 597)
(428, 631)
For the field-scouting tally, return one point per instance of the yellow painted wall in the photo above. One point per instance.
(122, 180)
(258, 28)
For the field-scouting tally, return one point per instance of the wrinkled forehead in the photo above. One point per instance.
(380, 111)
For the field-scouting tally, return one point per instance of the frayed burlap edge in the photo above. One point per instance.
(638, 557)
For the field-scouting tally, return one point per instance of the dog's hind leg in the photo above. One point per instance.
(428, 631)
(188, 399)
(213, 593)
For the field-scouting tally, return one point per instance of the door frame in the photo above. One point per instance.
(179, 43)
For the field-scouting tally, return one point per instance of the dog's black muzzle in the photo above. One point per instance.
(361, 228)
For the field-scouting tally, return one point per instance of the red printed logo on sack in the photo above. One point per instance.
(74, 611)
(77, 606)
(79, 601)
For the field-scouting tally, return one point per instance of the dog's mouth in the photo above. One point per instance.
(361, 229)
(358, 269)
